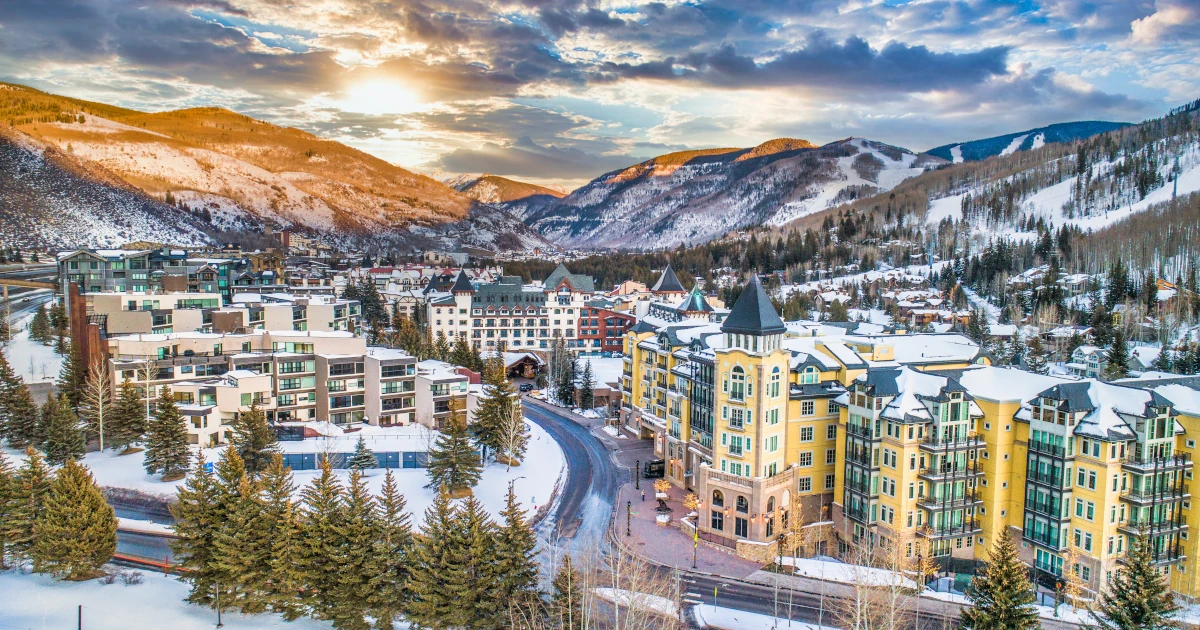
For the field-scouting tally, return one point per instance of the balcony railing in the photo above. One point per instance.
(1054, 479)
(1049, 538)
(1052, 509)
(957, 441)
(1047, 448)
(1143, 463)
(965, 499)
(968, 526)
(1177, 492)
(939, 472)
(1149, 525)
(859, 430)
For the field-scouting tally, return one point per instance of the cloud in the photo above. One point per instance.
(525, 158)
(1170, 21)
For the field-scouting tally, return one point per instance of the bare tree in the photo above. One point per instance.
(514, 435)
(96, 401)
(147, 373)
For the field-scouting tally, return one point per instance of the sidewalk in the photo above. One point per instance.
(667, 544)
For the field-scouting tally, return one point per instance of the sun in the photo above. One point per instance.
(380, 97)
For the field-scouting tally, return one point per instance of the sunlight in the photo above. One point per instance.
(379, 97)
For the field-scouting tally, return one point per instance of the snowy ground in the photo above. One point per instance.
(38, 601)
(729, 619)
(31, 360)
(834, 571)
(605, 371)
(543, 466)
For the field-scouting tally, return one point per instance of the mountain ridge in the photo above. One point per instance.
(1008, 143)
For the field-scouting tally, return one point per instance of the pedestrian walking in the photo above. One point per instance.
(643, 495)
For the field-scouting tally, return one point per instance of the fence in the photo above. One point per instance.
(312, 461)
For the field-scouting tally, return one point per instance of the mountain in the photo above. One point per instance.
(248, 174)
(520, 199)
(1022, 140)
(695, 196)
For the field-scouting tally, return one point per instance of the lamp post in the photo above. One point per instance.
(637, 475)
(219, 624)
(628, 516)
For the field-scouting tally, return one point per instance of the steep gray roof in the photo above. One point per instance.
(462, 283)
(579, 282)
(668, 282)
(753, 313)
(694, 302)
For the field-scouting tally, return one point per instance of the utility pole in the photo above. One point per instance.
(219, 624)
(80, 617)
(628, 516)
(637, 475)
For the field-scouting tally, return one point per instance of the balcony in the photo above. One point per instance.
(863, 431)
(939, 443)
(967, 499)
(1151, 526)
(1047, 448)
(1048, 538)
(1051, 479)
(861, 487)
(1179, 492)
(1167, 554)
(1049, 509)
(938, 473)
(969, 527)
(1149, 464)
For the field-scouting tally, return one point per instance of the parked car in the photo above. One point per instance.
(526, 387)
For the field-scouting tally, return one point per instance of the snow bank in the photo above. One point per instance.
(144, 527)
(833, 571)
(32, 361)
(729, 619)
(643, 601)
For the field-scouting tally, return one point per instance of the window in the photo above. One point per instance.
(806, 459)
(831, 432)
(741, 527)
(773, 443)
(810, 376)
(742, 505)
(807, 407)
(718, 520)
(830, 480)
(718, 499)
(805, 484)
(737, 389)
(831, 407)
(830, 456)
(806, 434)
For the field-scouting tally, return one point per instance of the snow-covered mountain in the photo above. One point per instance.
(694, 196)
(521, 199)
(238, 173)
(1022, 140)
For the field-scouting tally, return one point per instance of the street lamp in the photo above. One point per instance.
(628, 516)
(637, 475)
(219, 624)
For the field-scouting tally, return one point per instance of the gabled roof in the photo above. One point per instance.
(462, 283)
(753, 313)
(694, 303)
(578, 281)
(668, 282)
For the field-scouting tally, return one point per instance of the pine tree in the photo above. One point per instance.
(25, 426)
(441, 347)
(436, 557)
(1001, 594)
(72, 377)
(167, 451)
(281, 527)
(33, 482)
(393, 555)
(587, 387)
(8, 385)
(39, 327)
(1035, 357)
(478, 577)
(1138, 598)
(566, 600)
(128, 418)
(1117, 357)
(515, 551)
(363, 458)
(322, 536)
(254, 439)
(76, 531)
(360, 525)
(196, 525)
(498, 400)
(8, 506)
(977, 326)
(454, 466)
(64, 434)
(242, 551)
(96, 403)
(460, 354)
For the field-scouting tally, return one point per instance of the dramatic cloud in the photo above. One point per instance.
(568, 89)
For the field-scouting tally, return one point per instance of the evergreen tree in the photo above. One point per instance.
(39, 326)
(33, 482)
(242, 551)
(64, 433)
(977, 328)
(436, 556)
(8, 386)
(1001, 594)
(1036, 360)
(167, 451)
(128, 418)
(76, 531)
(478, 574)
(454, 466)
(441, 347)
(8, 506)
(460, 354)
(363, 458)
(566, 600)
(393, 556)
(1138, 598)
(1117, 357)
(587, 387)
(499, 396)
(25, 426)
(281, 528)
(196, 525)
(254, 439)
(360, 525)
(322, 535)
(72, 377)
(515, 551)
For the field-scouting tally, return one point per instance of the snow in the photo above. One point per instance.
(613, 431)
(730, 619)
(641, 601)
(1185, 399)
(1006, 383)
(1065, 612)
(32, 361)
(144, 527)
(1039, 141)
(605, 371)
(1014, 145)
(956, 154)
(38, 601)
(834, 571)
(542, 468)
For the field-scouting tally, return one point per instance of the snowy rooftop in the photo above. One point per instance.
(386, 354)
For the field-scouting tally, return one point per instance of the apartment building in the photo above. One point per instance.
(165, 270)
(437, 385)
(151, 312)
(602, 329)
(510, 313)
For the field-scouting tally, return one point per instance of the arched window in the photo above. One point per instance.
(775, 378)
(771, 504)
(718, 499)
(743, 505)
(810, 375)
(737, 389)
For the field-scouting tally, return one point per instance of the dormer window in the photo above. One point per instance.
(810, 376)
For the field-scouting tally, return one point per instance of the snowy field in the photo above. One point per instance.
(543, 466)
(604, 370)
(31, 360)
(719, 618)
(37, 602)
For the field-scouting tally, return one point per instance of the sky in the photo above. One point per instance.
(559, 92)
